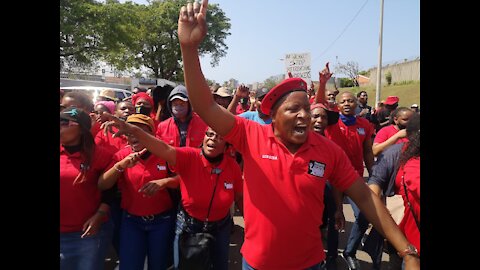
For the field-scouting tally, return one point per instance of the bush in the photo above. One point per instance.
(346, 82)
(388, 77)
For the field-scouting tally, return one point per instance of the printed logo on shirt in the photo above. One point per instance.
(228, 185)
(161, 168)
(316, 168)
(361, 131)
(270, 157)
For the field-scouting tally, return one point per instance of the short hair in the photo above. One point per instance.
(361, 92)
(81, 98)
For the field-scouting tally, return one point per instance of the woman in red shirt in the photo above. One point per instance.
(85, 230)
(407, 182)
(208, 181)
(147, 224)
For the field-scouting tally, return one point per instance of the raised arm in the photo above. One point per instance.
(378, 148)
(192, 28)
(324, 76)
(376, 212)
(152, 143)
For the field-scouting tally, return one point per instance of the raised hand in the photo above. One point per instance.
(107, 127)
(123, 127)
(242, 91)
(192, 24)
(131, 160)
(325, 74)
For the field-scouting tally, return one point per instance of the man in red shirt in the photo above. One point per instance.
(394, 133)
(185, 127)
(285, 166)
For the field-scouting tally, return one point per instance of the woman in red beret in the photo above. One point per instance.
(285, 167)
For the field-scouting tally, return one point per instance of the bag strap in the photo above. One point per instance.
(408, 201)
(216, 171)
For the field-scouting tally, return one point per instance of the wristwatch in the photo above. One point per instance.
(410, 250)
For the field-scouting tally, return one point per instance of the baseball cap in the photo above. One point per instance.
(415, 105)
(142, 119)
(391, 100)
(179, 97)
(280, 90)
(223, 92)
(75, 114)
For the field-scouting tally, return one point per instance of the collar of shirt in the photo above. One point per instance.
(207, 164)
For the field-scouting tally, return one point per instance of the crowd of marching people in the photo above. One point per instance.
(149, 173)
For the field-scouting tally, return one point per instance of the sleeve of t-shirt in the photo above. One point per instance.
(343, 175)
(381, 136)
(185, 157)
(381, 171)
(412, 177)
(238, 135)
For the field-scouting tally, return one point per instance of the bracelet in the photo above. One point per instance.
(118, 169)
(101, 212)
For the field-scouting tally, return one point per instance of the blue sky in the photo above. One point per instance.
(262, 32)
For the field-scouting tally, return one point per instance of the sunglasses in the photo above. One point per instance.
(212, 135)
(67, 123)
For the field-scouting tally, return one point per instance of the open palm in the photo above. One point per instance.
(192, 25)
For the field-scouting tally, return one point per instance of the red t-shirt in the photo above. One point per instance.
(79, 201)
(387, 132)
(283, 194)
(351, 139)
(167, 131)
(411, 170)
(198, 181)
(132, 179)
(110, 143)
(239, 109)
(95, 128)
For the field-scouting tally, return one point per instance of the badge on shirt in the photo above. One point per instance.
(316, 168)
(228, 185)
(361, 131)
(161, 168)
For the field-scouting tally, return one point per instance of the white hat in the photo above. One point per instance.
(415, 105)
(223, 92)
(179, 97)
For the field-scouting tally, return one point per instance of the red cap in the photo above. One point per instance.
(281, 89)
(391, 100)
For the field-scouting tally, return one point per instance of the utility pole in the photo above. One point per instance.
(379, 67)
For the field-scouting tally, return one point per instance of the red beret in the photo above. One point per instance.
(391, 100)
(142, 95)
(280, 90)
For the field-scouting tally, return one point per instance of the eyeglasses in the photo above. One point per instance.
(210, 134)
(67, 123)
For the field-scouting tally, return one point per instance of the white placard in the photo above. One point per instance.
(299, 65)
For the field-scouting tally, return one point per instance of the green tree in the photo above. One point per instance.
(156, 43)
(270, 83)
(89, 29)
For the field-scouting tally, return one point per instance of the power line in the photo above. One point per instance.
(343, 31)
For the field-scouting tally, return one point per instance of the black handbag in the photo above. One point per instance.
(195, 249)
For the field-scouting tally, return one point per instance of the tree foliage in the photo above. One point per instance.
(128, 35)
(349, 69)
